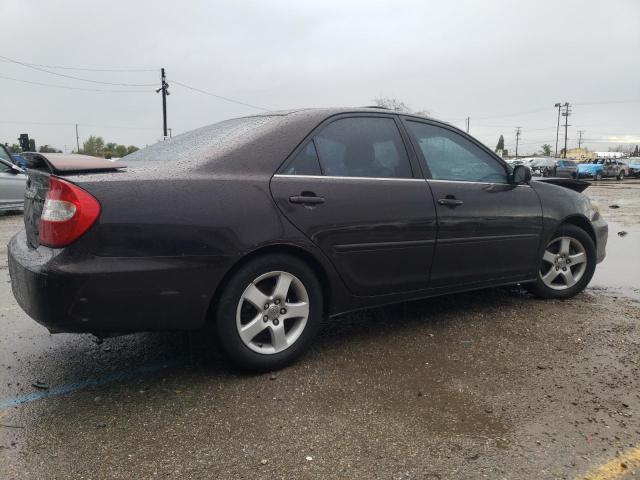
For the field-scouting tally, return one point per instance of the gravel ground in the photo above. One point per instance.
(489, 384)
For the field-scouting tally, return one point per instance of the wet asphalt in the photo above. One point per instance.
(488, 384)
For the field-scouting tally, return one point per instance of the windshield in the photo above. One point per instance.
(201, 141)
(4, 155)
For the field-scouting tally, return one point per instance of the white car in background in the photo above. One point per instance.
(12, 183)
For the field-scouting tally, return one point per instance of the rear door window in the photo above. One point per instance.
(363, 147)
(305, 162)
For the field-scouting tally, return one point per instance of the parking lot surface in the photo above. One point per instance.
(489, 384)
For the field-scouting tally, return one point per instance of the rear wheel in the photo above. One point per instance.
(567, 264)
(598, 176)
(621, 175)
(268, 312)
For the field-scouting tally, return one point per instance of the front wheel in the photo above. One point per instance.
(268, 313)
(567, 264)
(621, 175)
(598, 177)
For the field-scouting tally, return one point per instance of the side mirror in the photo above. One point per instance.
(521, 174)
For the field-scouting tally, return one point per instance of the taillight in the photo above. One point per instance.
(68, 212)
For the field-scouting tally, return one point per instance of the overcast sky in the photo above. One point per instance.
(503, 63)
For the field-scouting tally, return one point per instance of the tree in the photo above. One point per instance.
(48, 149)
(94, 146)
(500, 145)
(15, 148)
(396, 105)
(546, 149)
(120, 151)
(636, 152)
(32, 145)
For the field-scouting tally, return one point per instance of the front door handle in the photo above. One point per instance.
(306, 199)
(450, 201)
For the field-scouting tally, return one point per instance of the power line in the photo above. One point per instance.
(515, 114)
(77, 78)
(219, 96)
(91, 69)
(9, 122)
(68, 87)
(610, 102)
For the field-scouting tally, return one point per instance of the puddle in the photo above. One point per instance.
(619, 273)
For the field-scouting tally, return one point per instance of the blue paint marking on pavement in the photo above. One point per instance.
(73, 387)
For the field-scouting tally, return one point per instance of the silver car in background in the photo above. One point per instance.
(12, 183)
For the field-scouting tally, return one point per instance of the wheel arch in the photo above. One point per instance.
(581, 222)
(288, 249)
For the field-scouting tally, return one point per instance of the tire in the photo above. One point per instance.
(598, 177)
(268, 348)
(621, 175)
(558, 287)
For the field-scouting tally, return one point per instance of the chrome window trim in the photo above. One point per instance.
(333, 177)
(391, 179)
(476, 183)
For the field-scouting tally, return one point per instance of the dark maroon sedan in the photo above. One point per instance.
(264, 225)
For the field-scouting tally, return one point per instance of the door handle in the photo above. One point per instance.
(450, 201)
(306, 199)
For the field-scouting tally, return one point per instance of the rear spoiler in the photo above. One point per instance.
(61, 164)
(570, 183)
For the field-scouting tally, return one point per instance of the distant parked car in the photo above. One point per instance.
(18, 160)
(566, 169)
(543, 167)
(12, 184)
(603, 168)
(634, 166)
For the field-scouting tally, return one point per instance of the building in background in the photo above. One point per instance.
(581, 154)
(610, 154)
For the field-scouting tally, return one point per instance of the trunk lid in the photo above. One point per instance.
(39, 168)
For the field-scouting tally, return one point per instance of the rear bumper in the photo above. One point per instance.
(106, 295)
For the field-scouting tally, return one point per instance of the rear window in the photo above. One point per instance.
(202, 142)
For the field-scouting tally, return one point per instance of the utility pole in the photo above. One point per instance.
(468, 120)
(164, 88)
(170, 135)
(566, 114)
(77, 140)
(558, 106)
(517, 139)
(580, 133)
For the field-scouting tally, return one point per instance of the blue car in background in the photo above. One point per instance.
(591, 170)
(18, 160)
(602, 168)
(634, 166)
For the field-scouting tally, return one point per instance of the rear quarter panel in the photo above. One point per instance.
(179, 237)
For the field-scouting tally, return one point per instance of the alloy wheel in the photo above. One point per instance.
(272, 312)
(563, 263)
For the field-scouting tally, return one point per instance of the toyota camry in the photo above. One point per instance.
(262, 226)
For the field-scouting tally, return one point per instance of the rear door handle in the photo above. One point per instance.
(306, 199)
(450, 201)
